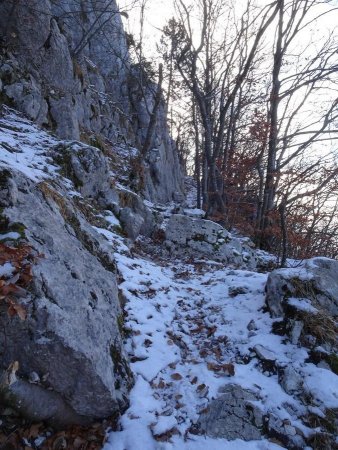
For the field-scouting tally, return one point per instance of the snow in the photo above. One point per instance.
(170, 305)
(164, 424)
(6, 270)
(205, 443)
(24, 147)
(180, 318)
(195, 212)
(322, 384)
(298, 272)
(302, 304)
(111, 219)
(114, 239)
(11, 235)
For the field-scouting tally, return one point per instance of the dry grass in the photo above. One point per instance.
(322, 326)
(51, 194)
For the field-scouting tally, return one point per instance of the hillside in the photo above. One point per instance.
(204, 352)
(129, 321)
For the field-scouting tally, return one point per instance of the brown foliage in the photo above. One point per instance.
(11, 290)
(75, 438)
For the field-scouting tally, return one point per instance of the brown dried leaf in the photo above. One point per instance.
(16, 309)
(176, 376)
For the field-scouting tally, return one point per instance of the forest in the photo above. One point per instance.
(251, 90)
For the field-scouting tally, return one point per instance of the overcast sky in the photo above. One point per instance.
(156, 16)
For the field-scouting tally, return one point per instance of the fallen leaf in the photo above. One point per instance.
(176, 376)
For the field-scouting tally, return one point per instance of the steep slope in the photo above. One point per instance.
(66, 65)
(211, 365)
(69, 333)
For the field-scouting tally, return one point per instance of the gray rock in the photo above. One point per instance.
(264, 354)
(324, 365)
(317, 281)
(72, 327)
(290, 380)
(252, 325)
(132, 222)
(290, 430)
(33, 377)
(325, 280)
(134, 215)
(37, 404)
(287, 433)
(66, 76)
(296, 328)
(210, 239)
(232, 416)
(86, 166)
(8, 189)
(307, 299)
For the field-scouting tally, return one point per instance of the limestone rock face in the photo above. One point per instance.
(71, 337)
(75, 77)
(135, 217)
(232, 416)
(86, 166)
(209, 238)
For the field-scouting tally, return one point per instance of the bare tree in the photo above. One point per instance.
(290, 95)
(214, 68)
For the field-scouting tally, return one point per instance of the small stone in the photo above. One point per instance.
(232, 416)
(323, 365)
(309, 340)
(290, 430)
(34, 378)
(296, 331)
(237, 290)
(252, 325)
(290, 380)
(264, 354)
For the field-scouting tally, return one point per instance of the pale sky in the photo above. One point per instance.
(157, 13)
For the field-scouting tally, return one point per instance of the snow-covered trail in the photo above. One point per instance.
(188, 334)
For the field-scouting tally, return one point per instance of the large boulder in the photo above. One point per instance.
(71, 338)
(89, 170)
(210, 239)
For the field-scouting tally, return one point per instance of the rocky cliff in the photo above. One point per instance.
(66, 65)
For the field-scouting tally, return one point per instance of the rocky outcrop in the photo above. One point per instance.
(71, 338)
(74, 77)
(306, 299)
(209, 239)
(317, 281)
(71, 74)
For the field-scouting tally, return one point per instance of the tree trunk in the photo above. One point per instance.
(153, 116)
(270, 185)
